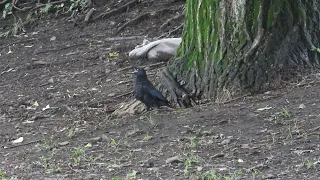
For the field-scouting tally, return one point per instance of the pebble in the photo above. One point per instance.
(226, 141)
(111, 94)
(173, 159)
(63, 143)
(302, 106)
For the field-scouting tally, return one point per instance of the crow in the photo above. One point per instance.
(145, 92)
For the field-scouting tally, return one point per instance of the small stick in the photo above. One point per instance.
(61, 48)
(22, 144)
(121, 9)
(88, 15)
(124, 94)
(124, 38)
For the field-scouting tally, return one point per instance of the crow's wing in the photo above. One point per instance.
(148, 88)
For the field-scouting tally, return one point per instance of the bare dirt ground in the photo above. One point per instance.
(58, 95)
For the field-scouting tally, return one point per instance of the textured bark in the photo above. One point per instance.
(238, 46)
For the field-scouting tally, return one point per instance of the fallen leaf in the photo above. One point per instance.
(113, 54)
(111, 94)
(19, 140)
(35, 104)
(88, 145)
(45, 108)
(53, 38)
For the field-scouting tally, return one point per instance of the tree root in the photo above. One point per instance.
(88, 15)
(178, 95)
(142, 17)
(165, 24)
(119, 10)
(12, 30)
(167, 34)
(134, 21)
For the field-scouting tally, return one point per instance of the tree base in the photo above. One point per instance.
(129, 108)
(179, 97)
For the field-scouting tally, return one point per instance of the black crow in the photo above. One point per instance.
(145, 92)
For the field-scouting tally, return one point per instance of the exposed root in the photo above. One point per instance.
(14, 29)
(165, 24)
(53, 3)
(124, 38)
(119, 10)
(3, 2)
(172, 31)
(129, 108)
(88, 15)
(141, 17)
(61, 48)
(178, 95)
(134, 21)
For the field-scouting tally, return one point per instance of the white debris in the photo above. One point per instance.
(19, 140)
(158, 50)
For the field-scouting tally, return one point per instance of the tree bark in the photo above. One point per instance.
(238, 46)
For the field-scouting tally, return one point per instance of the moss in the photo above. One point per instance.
(255, 14)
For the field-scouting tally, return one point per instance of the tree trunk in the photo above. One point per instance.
(241, 46)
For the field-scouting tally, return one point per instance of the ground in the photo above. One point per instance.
(59, 84)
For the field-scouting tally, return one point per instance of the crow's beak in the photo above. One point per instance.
(130, 72)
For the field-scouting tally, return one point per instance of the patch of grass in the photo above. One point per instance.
(193, 142)
(71, 132)
(210, 175)
(114, 143)
(146, 138)
(44, 162)
(2, 175)
(308, 164)
(78, 154)
(189, 161)
(7, 10)
(213, 175)
(131, 175)
(47, 144)
(285, 113)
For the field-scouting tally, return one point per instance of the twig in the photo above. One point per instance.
(234, 99)
(172, 19)
(19, 9)
(151, 65)
(121, 82)
(42, 5)
(12, 29)
(125, 68)
(23, 144)
(172, 31)
(60, 48)
(3, 2)
(124, 38)
(134, 21)
(143, 16)
(121, 9)
(124, 94)
(88, 15)
(155, 64)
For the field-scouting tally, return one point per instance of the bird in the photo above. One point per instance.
(145, 92)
